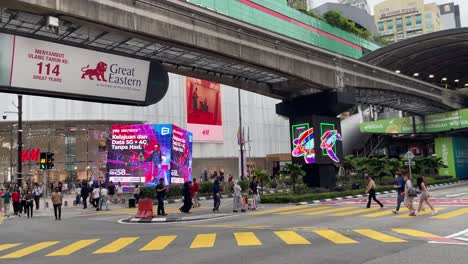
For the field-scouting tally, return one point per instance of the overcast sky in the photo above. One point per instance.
(462, 3)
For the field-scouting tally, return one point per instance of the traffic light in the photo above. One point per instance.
(50, 160)
(43, 161)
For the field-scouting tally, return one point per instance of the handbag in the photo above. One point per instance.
(412, 192)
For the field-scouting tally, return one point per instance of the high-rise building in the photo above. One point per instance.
(449, 16)
(301, 4)
(361, 4)
(400, 19)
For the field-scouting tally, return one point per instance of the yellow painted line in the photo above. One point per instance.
(292, 238)
(72, 248)
(451, 214)
(356, 211)
(414, 233)
(159, 243)
(282, 209)
(305, 210)
(388, 212)
(378, 236)
(427, 212)
(116, 245)
(247, 239)
(2, 219)
(204, 241)
(330, 210)
(29, 250)
(335, 237)
(8, 246)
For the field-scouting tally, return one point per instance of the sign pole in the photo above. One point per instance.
(409, 168)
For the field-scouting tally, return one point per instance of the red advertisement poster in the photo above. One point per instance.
(204, 118)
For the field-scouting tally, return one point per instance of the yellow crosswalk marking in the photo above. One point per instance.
(420, 213)
(8, 246)
(356, 211)
(159, 243)
(414, 233)
(2, 219)
(29, 250)
(304, 210)
(116, 245)
(451, 214)
(387, 212)
(330, 210)
(292, 238)
(335, 237)
(247, 239)
(282, 209)
(378, 236)
(73, 248)
(204, 241)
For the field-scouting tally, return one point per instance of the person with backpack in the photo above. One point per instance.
(425, 195)
(410, 193)
(371, 189)
(400, 186)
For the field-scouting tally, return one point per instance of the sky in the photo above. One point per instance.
(462, 3)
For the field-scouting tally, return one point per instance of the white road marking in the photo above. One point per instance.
(455, 195)
(458, 234)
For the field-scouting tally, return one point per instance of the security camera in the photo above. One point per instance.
(4, 116)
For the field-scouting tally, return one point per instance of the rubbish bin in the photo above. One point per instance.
(131, 203)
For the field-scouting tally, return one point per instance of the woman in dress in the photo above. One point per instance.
(425, 195)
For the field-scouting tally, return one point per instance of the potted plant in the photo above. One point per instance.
(145, 204)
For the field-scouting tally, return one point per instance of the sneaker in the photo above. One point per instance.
(395, 212)
(412, 214)
(434, 213)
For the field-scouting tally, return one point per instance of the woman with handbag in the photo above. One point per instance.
(425, 195)
(410, 194)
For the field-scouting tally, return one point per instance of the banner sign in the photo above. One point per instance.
(432, 123)
(47, 68)
(142, 154)
(204, 118)
(454, 154)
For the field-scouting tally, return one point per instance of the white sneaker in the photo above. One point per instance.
(434, 213)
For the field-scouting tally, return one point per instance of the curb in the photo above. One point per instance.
(171, 219)
(361, 195)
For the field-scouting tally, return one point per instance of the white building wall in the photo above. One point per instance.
(269, 132)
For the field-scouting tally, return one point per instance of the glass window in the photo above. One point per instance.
(429, 22)
(390, 24)
(398, 21)
(428, 15)
(409, 21)
(418, 19)
(381, 26)
(400, 35)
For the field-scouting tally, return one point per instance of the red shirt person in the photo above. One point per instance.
(15, 198)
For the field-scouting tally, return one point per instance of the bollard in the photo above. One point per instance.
(65, 203)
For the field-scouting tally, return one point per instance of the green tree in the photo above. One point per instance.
(263, 177)
(292, 174)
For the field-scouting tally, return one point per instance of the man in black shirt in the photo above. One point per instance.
(160, 193)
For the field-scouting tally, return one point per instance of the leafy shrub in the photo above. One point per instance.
(175, 190)
(206, 188)
(148, 192)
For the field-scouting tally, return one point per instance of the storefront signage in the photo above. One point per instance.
(430, 124)
(46, 68)
(402, 11)
(30, 155)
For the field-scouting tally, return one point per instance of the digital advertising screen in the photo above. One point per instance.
(204, 117)
(143, 153)
(316, 140)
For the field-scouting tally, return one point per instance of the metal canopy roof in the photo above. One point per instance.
(443, 54)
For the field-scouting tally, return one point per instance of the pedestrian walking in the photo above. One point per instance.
(196, 189)
(6, 202)
(237, 198)
(16, 199)
(22, 203)
(136, 194)
(56, 198)
(60, 186)
(84, 192)
(96, 196)
(111, 192)
(371, 189)
(160, 194)
(120, 193)
(400, 187)
(410, 194)
(187, 199)
(78, 195)
(37, 194)
(29, 204)
(1, 199)
(253, 191)
(104, 198)
(216, 195)
(425, 195)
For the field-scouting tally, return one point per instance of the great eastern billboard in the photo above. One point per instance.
(44, 68)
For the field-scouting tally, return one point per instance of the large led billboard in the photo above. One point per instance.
(316, 139)
(144, 153)
(204, 116)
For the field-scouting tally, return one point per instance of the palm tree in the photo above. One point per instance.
(293, 174)
(263, 177)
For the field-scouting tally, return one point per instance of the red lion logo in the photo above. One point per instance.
(101, 68)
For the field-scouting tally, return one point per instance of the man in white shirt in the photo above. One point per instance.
(37, 193)
(104, 198)
(96, 196)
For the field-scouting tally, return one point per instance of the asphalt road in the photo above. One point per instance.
(340, 232)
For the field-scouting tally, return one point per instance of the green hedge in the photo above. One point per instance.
(206, 188)
(296, 198)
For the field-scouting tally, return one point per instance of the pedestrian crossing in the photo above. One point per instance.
(209, 241)
(355, 211)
